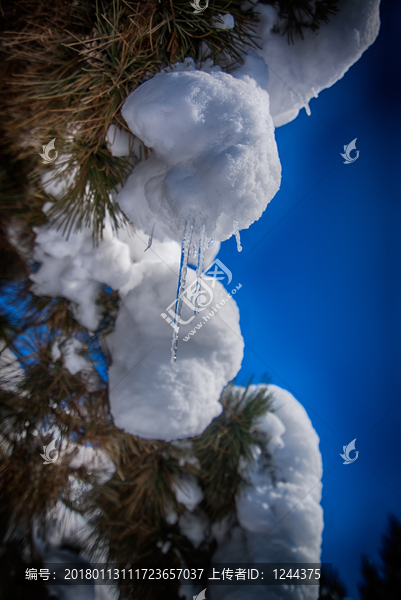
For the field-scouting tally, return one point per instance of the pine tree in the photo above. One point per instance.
(66, 68)
(384, 583)
(332, 589)
(302, 15)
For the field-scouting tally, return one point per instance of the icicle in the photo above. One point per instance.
(201, 261)
(306, 105)
(237, 237)
(150, 238)
(182, 278)
(210, 244)
(194, 250)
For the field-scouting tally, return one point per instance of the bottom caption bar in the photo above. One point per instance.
(214, 574)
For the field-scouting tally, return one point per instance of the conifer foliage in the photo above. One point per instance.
(66, 68)
(384, 583)
(331, 590)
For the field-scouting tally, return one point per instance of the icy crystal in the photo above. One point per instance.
(182, 278)
(201, 261)
(237, 237)
(150, 239)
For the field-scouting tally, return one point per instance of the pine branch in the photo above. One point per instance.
(227, 440)
(299, 15)
(69, 72)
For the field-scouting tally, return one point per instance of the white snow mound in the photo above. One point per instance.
(280, 516)
(214, 157)
(72, 268)
(300, 71)
(150, 397)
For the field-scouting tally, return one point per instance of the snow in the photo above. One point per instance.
(65, 526)
(12, 374)
(95, 460)
(300, 71)
(279, 514)
(69, 350)
(57, 559)
(72, 268)
(118, 141)
(188, 64)
(228, 22)
(53, 181)
(214, 157)
(185, 399)
(149, 397)
(213, 166)
(194, 527)
(298, 472)
(254, 67)
(187, 492)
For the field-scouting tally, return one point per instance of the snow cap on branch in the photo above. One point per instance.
(150, 398)
(300, 71)
(214, 157)
(279, 512)
(74, 269)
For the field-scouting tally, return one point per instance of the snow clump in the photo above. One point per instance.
(279, 513)
(119, 141)
(74, 269)
(225, 22)
(214, 158)
(300, 71)
(150, 398)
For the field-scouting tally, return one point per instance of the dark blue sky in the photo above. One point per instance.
(321, 297)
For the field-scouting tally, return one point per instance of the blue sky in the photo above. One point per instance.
(321, 296)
